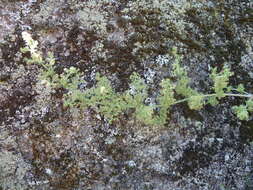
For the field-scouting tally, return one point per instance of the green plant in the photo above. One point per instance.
(103, 98)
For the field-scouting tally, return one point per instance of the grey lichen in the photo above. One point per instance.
(12, 171)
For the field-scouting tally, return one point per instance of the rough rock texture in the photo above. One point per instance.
(46, 146)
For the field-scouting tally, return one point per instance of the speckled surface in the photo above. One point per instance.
(45, 146)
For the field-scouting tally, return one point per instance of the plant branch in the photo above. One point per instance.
(210, 95)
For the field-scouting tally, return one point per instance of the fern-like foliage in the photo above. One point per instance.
(221, 81)
(32, 47)
(104, 100)
(165, 100)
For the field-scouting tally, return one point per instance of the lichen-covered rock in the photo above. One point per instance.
(13, 168)
(44, 145)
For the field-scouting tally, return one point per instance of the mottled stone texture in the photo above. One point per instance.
(46, 146)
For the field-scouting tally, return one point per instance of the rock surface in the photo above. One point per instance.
(46, 146)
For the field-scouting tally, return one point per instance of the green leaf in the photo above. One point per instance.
(182, 82)
(145, 114)
(241, 112)
(138, 90)
(196, 102)
(221, 81)
(240, 88)
(212, 100)
(249, 104)
(229, 89)
(165, 99)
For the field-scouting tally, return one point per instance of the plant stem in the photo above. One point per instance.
(210, 95)
(240, 95)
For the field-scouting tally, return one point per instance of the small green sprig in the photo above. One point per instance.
(103, 98)
(221, 81)
(243, 111)
(165, 100)
(221, 89)
(32, 47)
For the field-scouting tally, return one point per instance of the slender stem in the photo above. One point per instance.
(241, 95)
(234, 89)
(210, 95)
(180, 101)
